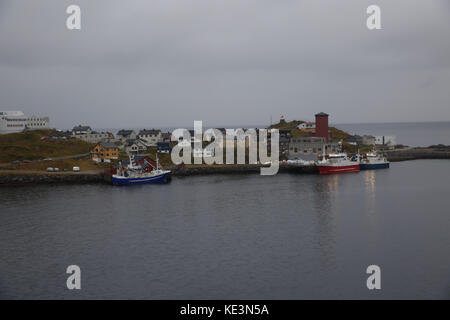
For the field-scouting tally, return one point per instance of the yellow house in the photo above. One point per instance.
(105, 152)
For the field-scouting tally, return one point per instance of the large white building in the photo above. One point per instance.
(17, 121)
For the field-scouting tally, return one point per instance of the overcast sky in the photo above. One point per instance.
(165, 63)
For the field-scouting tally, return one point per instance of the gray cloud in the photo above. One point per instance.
(166, 63)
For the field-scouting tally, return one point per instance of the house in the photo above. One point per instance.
(152, 137)
(306, 126)
(136, 146)
(124, 135)
(81, 130)
(85, 133)
(105, 152)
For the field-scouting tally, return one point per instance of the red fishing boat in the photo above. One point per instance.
(337, 163)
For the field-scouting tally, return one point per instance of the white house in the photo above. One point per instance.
(136, 146)
(152, 137)
(307, 125)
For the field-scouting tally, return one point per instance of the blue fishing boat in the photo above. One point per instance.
(373, 161)
(134, 173)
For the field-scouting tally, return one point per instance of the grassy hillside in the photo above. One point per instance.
(299, 133)
(29, 146)
(338, 135)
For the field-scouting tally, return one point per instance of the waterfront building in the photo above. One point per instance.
(85, 133)
(301, 146)
(17, 121)
(105, 152)
(152, 137)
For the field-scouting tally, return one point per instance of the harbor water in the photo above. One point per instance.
(288, 236)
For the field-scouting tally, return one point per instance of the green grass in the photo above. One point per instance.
(338, 135)
(29, 146)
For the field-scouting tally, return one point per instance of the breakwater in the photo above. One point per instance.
(417, 153)
(238, 169)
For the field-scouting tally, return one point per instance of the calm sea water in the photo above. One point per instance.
(420, 134)
(233, 236)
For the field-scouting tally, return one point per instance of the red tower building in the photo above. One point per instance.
(322, 126)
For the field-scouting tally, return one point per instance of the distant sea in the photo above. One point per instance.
(414, 134)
